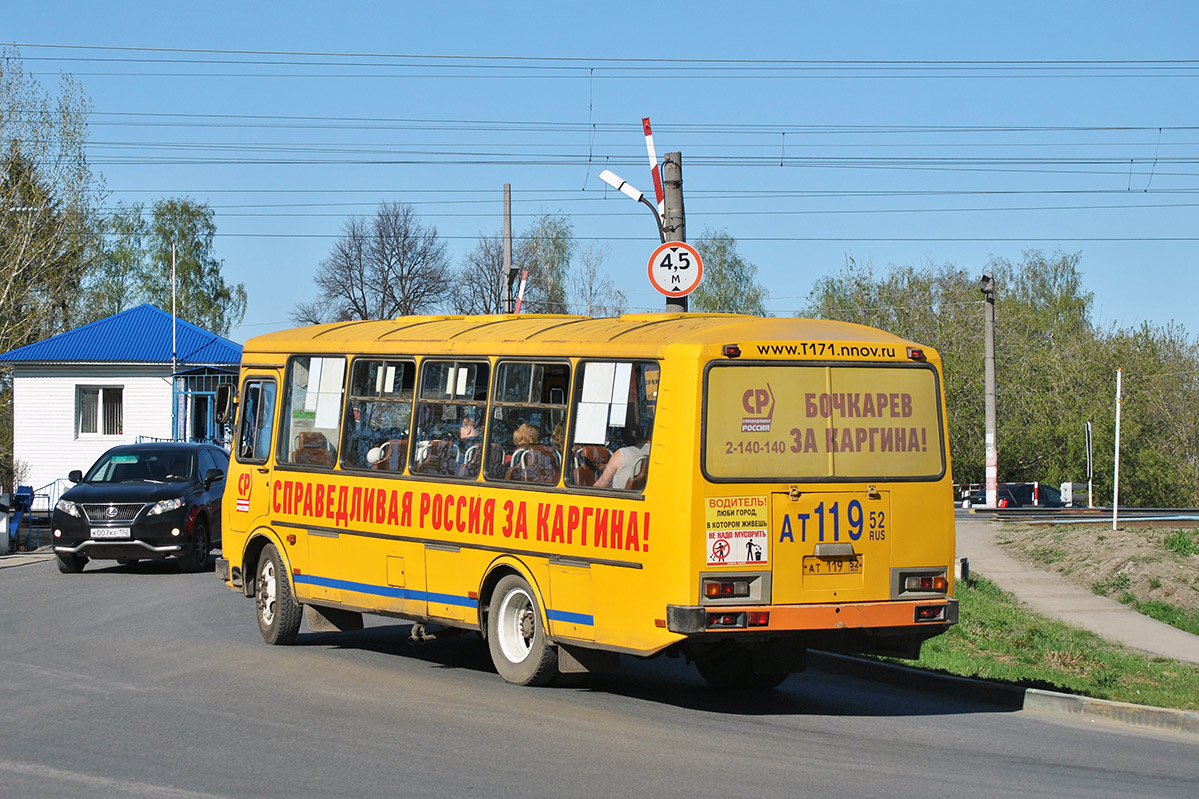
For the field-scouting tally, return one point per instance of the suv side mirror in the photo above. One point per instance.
(213, 476)
(226, 396)
(75, 476)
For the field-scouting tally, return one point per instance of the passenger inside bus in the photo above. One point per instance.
(627, 466)
(532, 461)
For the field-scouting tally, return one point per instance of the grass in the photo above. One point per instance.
(1173, 615)
(1182, 542)
(999, 640)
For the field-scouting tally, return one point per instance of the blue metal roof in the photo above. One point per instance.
(138, 335)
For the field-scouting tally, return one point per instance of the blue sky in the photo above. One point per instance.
(804, 161)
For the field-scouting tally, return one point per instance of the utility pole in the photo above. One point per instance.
(674, 225)
(987, 286)
(1116, 468)
(509, 275)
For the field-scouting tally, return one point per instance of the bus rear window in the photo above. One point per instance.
(793, 423)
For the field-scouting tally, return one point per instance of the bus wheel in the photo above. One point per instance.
(516, 636)
(70, 564)
(736, 670)
(278, 612)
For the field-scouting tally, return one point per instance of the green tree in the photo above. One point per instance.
(730, 282)
(1055, 370)
(202, 296)
(112, 285)
(546, 249)
(48, 231)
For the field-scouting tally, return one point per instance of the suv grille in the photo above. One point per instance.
(121, 513)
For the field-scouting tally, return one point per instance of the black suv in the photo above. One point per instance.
(143, 501)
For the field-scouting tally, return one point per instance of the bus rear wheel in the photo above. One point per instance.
(278, 612)
(516, 635)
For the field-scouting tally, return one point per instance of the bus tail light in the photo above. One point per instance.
(930, 613)
(915, 354)
(730, 351)
(727, 620)
(926, 583)
(721, 589)
(759, 618)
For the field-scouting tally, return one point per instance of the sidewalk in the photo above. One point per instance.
(1050, 594)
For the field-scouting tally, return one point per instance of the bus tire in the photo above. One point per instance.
(735, 670)
(278, 612)
(516, 635)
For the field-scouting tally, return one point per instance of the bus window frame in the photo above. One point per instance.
(494, 404)
(282, 436)
(575, 398)
(349, 396)
(240, 418)
(424, 362)
(831, 478)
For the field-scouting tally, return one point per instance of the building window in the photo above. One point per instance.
(101, 410)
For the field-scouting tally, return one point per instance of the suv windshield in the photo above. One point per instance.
(153, 466)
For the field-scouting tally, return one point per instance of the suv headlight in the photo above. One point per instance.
(164, 505)
(67, 506)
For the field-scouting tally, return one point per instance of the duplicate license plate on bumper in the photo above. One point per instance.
(110, 532)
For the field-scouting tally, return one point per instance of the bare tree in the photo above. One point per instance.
(592, 291)
(384, 266)
(477, 289)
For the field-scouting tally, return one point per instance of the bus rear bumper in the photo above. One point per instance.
(693, 620)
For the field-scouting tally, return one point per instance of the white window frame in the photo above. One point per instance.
(101, 421)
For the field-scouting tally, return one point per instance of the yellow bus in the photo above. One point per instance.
(732, 489)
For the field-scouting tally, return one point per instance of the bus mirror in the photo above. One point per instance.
(223, 413)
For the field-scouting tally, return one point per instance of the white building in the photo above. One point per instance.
(111, 382)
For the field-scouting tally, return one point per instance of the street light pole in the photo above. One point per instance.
(987, 286)
(621, 185)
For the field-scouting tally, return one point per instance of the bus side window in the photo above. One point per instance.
(528, 423)
(451, 419)
(312, 411)
(615, 405)
(378, 415)
(257, 413)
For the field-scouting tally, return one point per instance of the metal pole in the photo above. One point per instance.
(992, 449)
(506, 278)
(675, 225)
(1116, 475)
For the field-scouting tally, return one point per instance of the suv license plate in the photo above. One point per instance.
(110, 532)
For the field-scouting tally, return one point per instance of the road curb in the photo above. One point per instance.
(1011, 696)
(24, 559)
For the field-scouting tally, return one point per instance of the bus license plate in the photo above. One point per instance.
(815, 565)
(110, 532)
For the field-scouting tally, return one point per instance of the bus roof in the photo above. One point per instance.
(629, 335)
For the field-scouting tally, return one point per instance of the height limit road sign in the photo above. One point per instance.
(675, 269)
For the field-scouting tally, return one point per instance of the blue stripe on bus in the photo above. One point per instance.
(573, 618)
(361, 588)
(444, 599)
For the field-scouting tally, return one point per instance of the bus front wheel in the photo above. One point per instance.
(278, 612)
(516, 635)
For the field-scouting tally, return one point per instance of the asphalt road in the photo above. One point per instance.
(139, 681)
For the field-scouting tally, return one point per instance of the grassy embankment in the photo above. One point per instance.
(997, 639)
